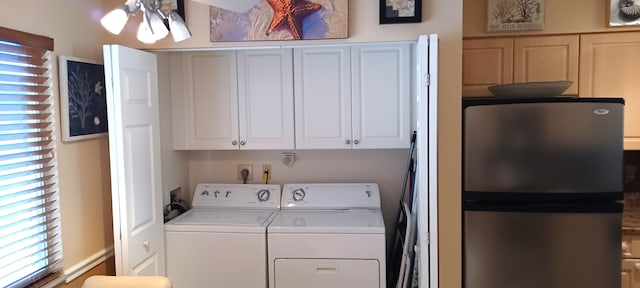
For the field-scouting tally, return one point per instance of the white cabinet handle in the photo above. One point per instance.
(625, 247)
(347, 141)
(234, 142)
(356, 142)
(637, 266)
(242, 143)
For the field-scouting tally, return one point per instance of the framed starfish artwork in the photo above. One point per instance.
(260, 20)
(400, 11)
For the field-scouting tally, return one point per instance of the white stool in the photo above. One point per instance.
(99, 281)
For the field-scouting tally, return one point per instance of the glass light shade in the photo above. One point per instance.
(145, 34)
(115, 20)
(179, 30)
(156, 23)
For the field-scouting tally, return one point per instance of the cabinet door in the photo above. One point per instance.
(547, 58)
(380, 96)
(630, 273)
(322, 97)
(486, 62)
(204, 100)
(608, 64)
(265, 98)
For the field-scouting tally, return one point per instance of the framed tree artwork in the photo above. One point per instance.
(506, 15)
(83, 102)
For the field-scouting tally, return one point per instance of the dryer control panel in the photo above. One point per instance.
(261, 196)
(331, 196)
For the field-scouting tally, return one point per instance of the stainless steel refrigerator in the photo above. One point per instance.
(542, 181)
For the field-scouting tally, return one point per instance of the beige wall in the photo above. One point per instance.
(84, 166)
(566, 16)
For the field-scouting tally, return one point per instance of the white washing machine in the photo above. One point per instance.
(327, 235)
(221, 241)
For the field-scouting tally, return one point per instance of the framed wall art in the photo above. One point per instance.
(505, 15)
(264, 20)
(400, 11)
(178, 5)
(623, 12)
(83, 102)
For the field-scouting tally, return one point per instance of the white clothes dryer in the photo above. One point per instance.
(327, 235)
(221, 241)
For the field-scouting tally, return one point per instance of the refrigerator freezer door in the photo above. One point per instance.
(563, 146)
(504, 249)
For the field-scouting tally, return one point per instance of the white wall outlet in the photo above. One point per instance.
(242, 167)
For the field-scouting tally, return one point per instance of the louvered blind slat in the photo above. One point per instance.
(30, 245)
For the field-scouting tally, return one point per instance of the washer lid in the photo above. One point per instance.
(328, 221)
(226, 220)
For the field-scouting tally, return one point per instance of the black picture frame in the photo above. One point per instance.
(389, 15)
(179, 7)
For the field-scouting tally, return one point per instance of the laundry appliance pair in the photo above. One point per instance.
(255, 235)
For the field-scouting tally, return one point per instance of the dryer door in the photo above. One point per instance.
(321, 273)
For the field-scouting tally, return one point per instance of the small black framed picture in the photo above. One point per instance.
(400, 11)
(178, 5)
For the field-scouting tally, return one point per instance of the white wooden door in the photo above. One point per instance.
(381, 96)
(134, 148)
(265, 98)
(427, 160)
(322, 97)
(207, 110)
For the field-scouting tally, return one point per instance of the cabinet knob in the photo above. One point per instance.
(625, 247)
(234, 142)
(242, 143)
(356, 142)
(347, 141)
(637, 266)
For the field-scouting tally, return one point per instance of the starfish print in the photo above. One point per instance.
(290, 13)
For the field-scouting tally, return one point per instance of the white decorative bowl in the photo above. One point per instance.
(530, 89)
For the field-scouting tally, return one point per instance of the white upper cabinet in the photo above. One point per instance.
(265, 90)
(204, 100)
(346, 97)
(381, 95)
(323, 97)
(228, 100)
(352, 97)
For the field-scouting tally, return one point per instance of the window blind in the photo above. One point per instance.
(30, 247)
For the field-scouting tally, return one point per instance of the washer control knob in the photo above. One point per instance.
(298, 194)
(204, 193)
(264, 195)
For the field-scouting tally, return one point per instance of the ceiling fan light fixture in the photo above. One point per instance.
(179, 30)
(145, 32)
(115, 20)
(156, 23)
(153, 25)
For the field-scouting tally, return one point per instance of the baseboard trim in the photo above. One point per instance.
(87, 264)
